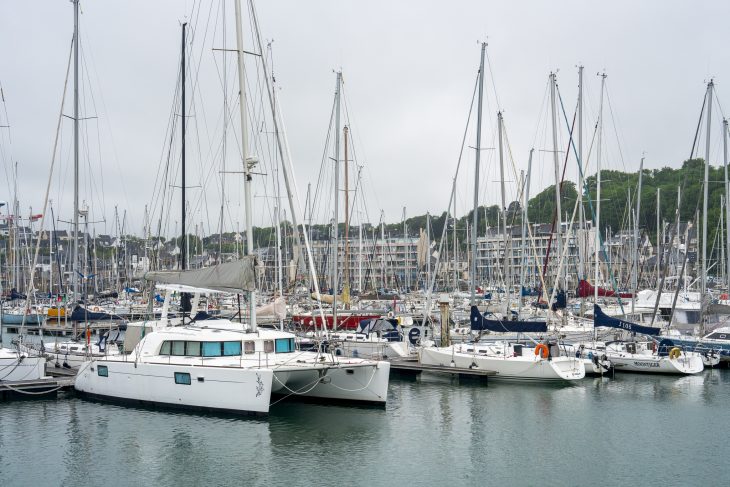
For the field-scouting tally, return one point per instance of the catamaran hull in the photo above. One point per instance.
(366, 384)
(222, 389)
(16, 368)
(559, 369)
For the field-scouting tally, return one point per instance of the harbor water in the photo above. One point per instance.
(629, 430)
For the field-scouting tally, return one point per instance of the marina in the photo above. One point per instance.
(234, 296)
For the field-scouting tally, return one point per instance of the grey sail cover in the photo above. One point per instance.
(231, 277)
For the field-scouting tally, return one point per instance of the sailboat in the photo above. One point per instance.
(510, 360)
(219, 364)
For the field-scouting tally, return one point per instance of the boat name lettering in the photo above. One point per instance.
(646, 364)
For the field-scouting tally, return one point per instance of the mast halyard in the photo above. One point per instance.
(475, 215)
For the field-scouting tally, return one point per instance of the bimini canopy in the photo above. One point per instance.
(231, 277)
(602, 319)
(479, 322)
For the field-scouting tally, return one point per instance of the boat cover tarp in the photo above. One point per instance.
(602, 319)
(586, 290)
(83, 314)
(479, 322)
(230, 277)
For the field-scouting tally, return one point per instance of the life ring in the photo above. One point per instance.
(413, 335)
(542, 350)
(675, 353)
(96, 309)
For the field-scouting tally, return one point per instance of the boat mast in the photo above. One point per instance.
(525, 262)
(475, 215)
(335, 224)
(598, 191)
(346, 264)
(635, 275)
(581, 216)
(428, 250)
(727, 194)
(183, 242)
(453, 242)
(556, 161)
(75, 266)
(247, 165)
(703, 277)
(507, 263)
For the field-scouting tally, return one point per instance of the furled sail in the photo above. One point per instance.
(230, 277)
(602, 319)
(479, 322)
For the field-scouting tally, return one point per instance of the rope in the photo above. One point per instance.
(31, 392)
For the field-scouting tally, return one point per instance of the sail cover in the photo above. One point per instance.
(586, 290)
(479, 322)
(231, 277)
(602, 319)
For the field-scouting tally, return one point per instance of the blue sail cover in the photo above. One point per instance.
(479, 322)
(602, 319)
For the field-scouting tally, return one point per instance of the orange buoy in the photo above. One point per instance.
(542, 350)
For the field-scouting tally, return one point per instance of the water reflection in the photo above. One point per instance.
(433, 431)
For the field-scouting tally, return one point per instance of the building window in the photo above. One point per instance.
(103, 371)
(231, 348)
(268, 346)
(249, 347)
(182, 378)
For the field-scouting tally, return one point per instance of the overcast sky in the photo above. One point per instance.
(409, 69)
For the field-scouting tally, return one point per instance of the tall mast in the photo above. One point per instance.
(405, 253)
(183, 240)
(223, 142)
(428, 250)
(727, 195)
(525, 215)
(658, 231)
(75, 266)
(475, 215)
(635, 274)
(556, 161)
(346, 268)
(507, 258)
(335, 224)
(703, 277)
(244, 153)
(453, 242)
(598, 191)
(581, 216)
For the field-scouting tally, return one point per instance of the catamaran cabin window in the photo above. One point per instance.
(165, 348)
(249, 346)
(284, 345)
(178, 348)
(182, 378)
(231, 348)
(211, 349)
(268, 346)
(102, 371)
(192, 349)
